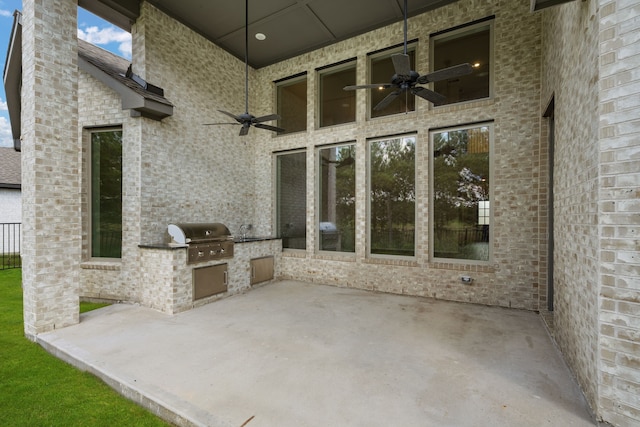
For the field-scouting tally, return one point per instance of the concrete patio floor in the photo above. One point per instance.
(297, 354)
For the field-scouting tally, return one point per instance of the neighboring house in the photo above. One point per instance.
(10, 206)
(10, 200)
(520, 192)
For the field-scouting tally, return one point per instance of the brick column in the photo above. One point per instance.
(619, 212)
(50, 165)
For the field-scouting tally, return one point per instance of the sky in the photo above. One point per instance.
(90, 28)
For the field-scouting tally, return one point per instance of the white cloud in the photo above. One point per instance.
(6, 140)
(125, 48)
(107, 35)
(6, 13)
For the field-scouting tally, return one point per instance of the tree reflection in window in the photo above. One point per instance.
(392, 196)
(106, 194)
(337, 199)
(461, 193)
(291, 204)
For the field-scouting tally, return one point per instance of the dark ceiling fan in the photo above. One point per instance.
(405, 79)
(247, 120)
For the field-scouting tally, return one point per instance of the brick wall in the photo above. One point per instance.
(570, 73)
(191, 172)
(50, 166)
(166, 281)
(590, 64)
(512, 277)
(99, 106)
(619, 211)
(234, 183)
(595, 91)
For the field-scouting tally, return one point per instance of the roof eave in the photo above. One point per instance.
(11, 186)
(122, 13)
(131, 100)
(537, 5)
(12, 78)
(151, 109)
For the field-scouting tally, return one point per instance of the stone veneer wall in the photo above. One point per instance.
(619, 211)
(159, 160)
(176, 170)
(50, 166)
(191, 172)
(512, 278)
(166, 281)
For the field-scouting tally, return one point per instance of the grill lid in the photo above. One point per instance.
(183, 233)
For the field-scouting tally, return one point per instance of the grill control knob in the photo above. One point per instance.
(221, 250)
(200, 254)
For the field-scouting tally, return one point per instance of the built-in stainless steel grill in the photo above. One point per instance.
(207, 241)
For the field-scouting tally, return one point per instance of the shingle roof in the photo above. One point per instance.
(141, 98)
(9, 168)
(114, 71)
(116, 67)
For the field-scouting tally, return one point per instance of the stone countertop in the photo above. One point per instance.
(168, 246)
(250, 239)
(173, 246)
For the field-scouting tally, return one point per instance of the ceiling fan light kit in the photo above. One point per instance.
(405, 79)
(247, 120)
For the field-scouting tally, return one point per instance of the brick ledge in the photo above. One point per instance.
(101, 265)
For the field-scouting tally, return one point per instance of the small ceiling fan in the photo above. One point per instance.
(245, 119)
(405, 79)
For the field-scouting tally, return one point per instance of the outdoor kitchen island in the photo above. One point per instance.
(168, 281)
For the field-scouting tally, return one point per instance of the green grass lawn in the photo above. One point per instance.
(88, 306)
(37, 389)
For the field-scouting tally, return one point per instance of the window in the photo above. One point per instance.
(337, 105)
(461, 173)
(337, 205)
(106, 193)
(470, 44)
(382, 71)
(292, 104)
(291, 194)
(392, 196)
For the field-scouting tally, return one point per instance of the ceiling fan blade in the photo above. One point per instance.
(429, 95)
(233, 116)
(268, 127)
(268, 118)
(387, 100)
(244, 130)
(401, 64)
(446, 73)
(371, 86)
(216, 124)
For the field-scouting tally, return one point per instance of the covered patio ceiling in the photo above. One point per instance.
(291, 27)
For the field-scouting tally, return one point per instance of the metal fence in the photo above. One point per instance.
(462, 236)
(10, 245)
